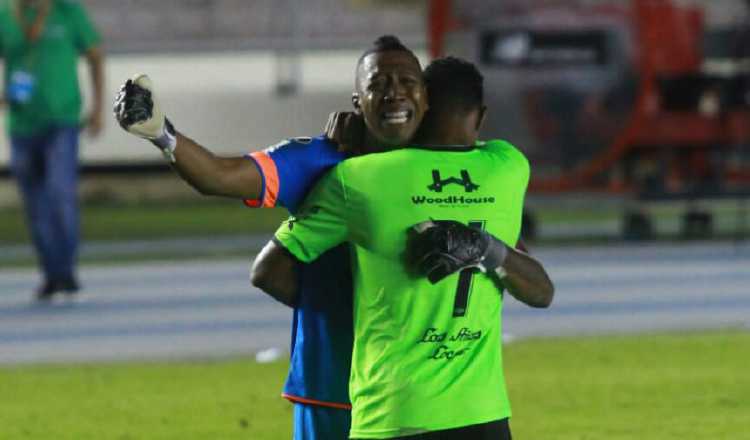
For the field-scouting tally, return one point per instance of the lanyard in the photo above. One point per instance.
(32, 28)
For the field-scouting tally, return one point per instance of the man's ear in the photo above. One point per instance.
(356, 104)
(482, 117)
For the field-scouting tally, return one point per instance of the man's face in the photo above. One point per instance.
(391, 96)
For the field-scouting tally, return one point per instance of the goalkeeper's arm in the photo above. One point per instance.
(437, 249)
(137, 110)
(526, 279)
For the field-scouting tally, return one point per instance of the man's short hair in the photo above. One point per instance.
(454, 83)
(386, 43)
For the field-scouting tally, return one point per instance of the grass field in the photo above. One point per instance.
(655, 387)
(117, 222)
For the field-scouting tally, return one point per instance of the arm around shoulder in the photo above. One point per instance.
(526, 279)
(274, 271)
(438, 248)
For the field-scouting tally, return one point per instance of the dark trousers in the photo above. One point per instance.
(46, 168)
(497, 430)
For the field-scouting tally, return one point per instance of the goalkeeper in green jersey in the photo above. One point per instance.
(427, 359)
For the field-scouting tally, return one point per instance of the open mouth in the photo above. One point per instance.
(397, 117)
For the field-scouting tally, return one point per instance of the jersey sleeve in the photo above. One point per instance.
(521, 174)
(86, 35)
(521, 169)
(290, 168)
(518, 173)
(321, 222)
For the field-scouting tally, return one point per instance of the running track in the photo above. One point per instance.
(207, 309)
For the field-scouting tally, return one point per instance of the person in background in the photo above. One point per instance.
(40, 43)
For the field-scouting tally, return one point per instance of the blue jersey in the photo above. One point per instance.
(322, 332)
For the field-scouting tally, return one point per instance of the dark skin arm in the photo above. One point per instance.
(235, 177)
(136, 109)
(274, 271)
(439, 248)
(527, 280)
(95, 60)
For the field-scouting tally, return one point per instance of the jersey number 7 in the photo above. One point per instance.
(465, 279)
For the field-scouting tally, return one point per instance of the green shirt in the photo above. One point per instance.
(50, 64)
(416, 367)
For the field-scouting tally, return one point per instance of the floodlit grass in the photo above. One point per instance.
(168, 220)
(236, 399)
(656, 387)
(637, 387)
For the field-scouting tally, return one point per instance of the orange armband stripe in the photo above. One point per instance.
(270, 191)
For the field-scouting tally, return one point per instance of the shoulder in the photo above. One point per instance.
(310, 153)
(68, 5)
(382, 158)
(506, 151)
(75, 4)
(304, 144)
(70, 8)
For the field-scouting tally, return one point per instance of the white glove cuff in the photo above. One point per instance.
(167, 142)
(500, 272)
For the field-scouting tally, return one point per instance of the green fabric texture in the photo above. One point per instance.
(416, 367)
(51, 61)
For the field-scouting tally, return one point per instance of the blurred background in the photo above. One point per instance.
(640, 105)
(635, 115)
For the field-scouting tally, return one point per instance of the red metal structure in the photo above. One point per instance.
(683, 141)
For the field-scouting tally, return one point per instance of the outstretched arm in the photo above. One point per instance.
(138, 111)
(274, 271)
(236, 177)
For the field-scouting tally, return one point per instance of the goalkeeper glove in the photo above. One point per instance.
(438, 248)
(138, 112)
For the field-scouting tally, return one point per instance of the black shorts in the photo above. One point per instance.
(497, 430)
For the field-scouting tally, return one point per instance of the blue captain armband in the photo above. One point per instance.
(291, 168)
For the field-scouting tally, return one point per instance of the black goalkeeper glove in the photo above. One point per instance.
(138, 111)
(438, 248)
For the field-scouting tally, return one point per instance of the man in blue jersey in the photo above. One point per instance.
(393, 101)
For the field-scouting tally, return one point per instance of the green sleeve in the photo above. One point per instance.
(321, 223)
(513, 154)
(523, 174)
(86, 36)
(519, 172)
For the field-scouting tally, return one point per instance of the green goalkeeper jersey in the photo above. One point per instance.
(426, 357)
